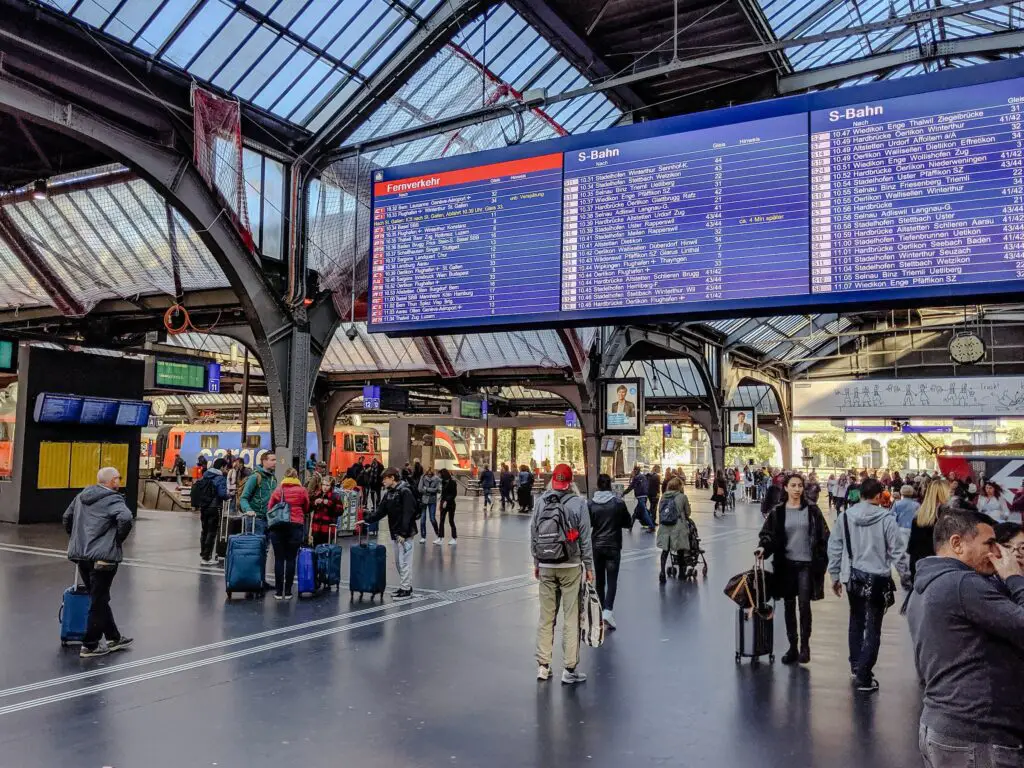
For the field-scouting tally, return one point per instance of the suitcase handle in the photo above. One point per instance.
(332, 534)
(252, 518)
(362, 533)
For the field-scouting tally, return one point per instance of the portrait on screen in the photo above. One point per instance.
(623, 406)
(741, 426)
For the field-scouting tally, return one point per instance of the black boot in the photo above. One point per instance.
(805, 653)
(790, 656)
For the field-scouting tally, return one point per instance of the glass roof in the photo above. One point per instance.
(760, 397)
(676, 377)
(511, 349)
(104, 242)
(800, 18)
(372, 352)
(298, 59)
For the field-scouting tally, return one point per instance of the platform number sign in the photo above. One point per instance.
(213, 378)
(371, 398)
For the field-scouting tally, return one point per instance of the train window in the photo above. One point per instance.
(348, 442)
(252, 441)
(444, 453)
(4, 432)
(177, 442)
(209, 442)
(376, 443)
(362, 443)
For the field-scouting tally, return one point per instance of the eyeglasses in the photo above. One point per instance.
(1018, 550)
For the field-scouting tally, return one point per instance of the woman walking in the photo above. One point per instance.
(286, 538)
(992, 503)
(795, 536)
(936, 498)
(449, 490)
(719, 492)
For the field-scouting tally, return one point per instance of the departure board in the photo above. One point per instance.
(902, 192)
(919, 191)
(689, 217)
(476, 243)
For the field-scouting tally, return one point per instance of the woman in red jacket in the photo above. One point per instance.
(287, 537)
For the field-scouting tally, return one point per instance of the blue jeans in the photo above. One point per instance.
(431, 506)
(865, 633)
(941, 751)
(487, 497)
(641, 513)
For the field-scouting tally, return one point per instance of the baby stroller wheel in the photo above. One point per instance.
(705, 570)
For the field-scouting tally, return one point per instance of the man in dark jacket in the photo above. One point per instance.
(506, 483)
(98, 522)
(968, 631)
(398, 505)
(638, 485)
(208, 496)
(608, 516)
(774, 495)
(356, 470)
(487, 485)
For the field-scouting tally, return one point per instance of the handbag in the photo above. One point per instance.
(867, 585)
(279, 514)
(751, 590)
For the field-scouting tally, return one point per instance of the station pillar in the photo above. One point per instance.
(712, 424)
(784, 435)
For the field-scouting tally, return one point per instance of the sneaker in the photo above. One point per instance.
(543, 673)
(92, 653)
(452, 543)
(438, 541)
(871, 686)
(805, 655)
(662, 578)
(401, 594)
(121, 644)
(423, 540)
(287, 595)
(609, 620)
(397, 593)
(278, 597)
(571, 677)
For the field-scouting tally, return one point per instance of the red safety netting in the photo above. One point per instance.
(218, 154)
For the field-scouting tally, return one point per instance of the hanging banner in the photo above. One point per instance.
(904, 398)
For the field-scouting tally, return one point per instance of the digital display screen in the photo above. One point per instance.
(371, 397)
(471, 409)
(57, 409)
(895, 191)
(132, 413)
(8, 356)
(919, 191)
(96, 411)
(169, 374)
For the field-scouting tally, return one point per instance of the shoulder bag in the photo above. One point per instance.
(867, 585)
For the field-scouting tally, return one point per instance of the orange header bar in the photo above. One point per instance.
(468, 175)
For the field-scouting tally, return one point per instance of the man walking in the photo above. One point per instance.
(398, 505)
(864, 546)
(98, 522)
(968, 632)
(208, 496)
(561, 547)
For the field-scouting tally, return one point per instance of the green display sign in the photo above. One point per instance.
(173, 375)
(7, 362)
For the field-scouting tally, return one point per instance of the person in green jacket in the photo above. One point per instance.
(258, 489)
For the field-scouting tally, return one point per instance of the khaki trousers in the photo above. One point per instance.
(559, 586)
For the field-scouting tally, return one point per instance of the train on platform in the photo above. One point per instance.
(214, 440)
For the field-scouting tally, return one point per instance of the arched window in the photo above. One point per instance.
(870, 453)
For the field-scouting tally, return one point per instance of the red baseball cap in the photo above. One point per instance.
(561, 478)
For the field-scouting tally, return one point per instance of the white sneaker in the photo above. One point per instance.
(452, 542)
(571, 678)
(543, 673)
(439, 541)
(609, 620)
(423, 540)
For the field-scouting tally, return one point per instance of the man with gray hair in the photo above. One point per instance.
(98, 522)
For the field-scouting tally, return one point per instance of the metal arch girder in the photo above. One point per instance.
(48, 280)
(626, 337)
(433, 351)
(781, 388)
(578, 358)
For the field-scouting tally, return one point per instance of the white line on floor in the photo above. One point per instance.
(101, 671)
(99, 688)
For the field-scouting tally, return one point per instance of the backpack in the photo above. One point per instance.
(203, 493)
(853, 495)
(668, 512)
(553, 540)
(591, 620)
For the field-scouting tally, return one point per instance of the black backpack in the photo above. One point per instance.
(668, 512)
(551, 543)
(203, 493)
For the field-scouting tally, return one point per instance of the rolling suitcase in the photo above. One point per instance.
(74, 613)
(755, 626)
(245, 561)
(305, 572)
(367, 567)
(230, 525)
(328, 561)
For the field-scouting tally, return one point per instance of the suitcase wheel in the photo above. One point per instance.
(738, 657)
(755, 661)
(229, 594)
(63, 643)
(771, 658)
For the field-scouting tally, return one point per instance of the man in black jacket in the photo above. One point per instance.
(399, 506)
(608, 516)
(968, 631)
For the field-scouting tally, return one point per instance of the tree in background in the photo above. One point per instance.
(523, 450)
(833, 447)
(762, 452)
(650, 445)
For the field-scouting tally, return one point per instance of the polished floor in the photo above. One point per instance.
(446, 679)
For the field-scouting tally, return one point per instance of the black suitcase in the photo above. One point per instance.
(230, 524)
(755, 626)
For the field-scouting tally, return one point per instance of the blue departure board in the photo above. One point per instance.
(901, 192)
(132, 413)
(919, 191)
(96, 411)
(57, 409)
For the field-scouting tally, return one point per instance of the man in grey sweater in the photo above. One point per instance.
(876, 545)
(968, 631)
(561, 547)
(98, 521)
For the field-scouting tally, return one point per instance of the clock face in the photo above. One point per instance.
(967, 348)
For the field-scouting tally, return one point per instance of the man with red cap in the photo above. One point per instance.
(561, 548)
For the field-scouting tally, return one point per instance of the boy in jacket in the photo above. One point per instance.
(398, 505)
(966, 618)
(98, 522)
(877, 546)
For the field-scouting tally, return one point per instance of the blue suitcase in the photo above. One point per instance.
(74, 613)
(367, 568)
(328, 562)
(305, 572)
(245, 561)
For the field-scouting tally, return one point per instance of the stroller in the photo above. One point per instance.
(685, 562)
